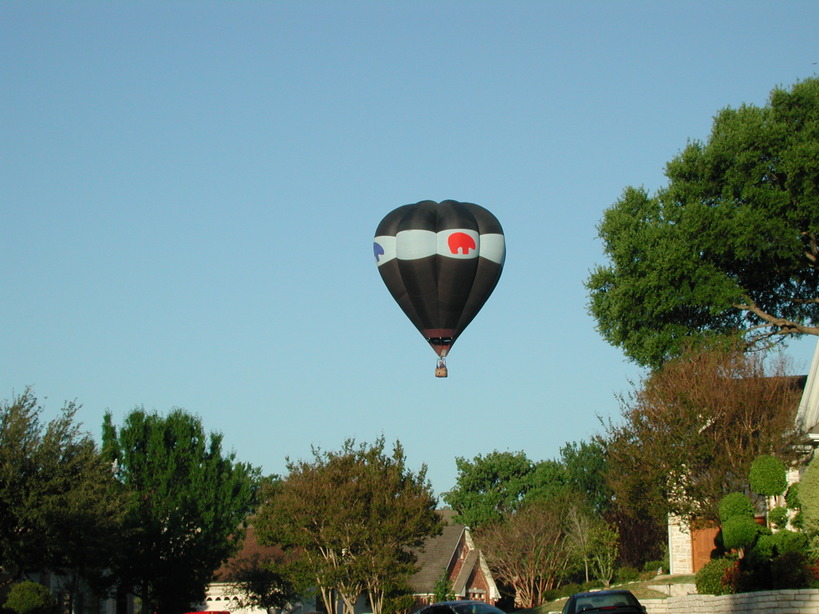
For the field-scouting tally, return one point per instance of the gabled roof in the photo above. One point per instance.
(435, 558)
(459, 586)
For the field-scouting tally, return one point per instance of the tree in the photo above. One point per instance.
(729, 247)
(58, 508)
(356, 514)
(809, 502)
(489, 486)
(605, 546)
(266, 582)
(768, 476)
(595, 543)
(442, 591)
(529, 549)
(584, 466)
(31, 598)
(187, 501)
(690, 433)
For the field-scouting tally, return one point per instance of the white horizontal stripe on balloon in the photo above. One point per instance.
(459, 243)
(493, 247)
(414, 244)
(384, 249)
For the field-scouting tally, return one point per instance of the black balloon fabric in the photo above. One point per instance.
(440, 262)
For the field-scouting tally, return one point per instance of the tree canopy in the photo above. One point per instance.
(356, 515)
(690, 433)
(729, 247)
(58, 508)
(187, 501)
(491, 486)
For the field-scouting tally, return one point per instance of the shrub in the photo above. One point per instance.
(768, 476)
(31, 598)
(567, 590)
(627, 574)
(654, 566)
(792, 497)
(791, 570)
(739, 532)
(711, 579)
(591, 585)
(778, 517)
(735, 504)
(809, 497)
(550, 595)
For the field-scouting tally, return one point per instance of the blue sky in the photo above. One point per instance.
(189, 190)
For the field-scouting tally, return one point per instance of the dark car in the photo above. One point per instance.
(460, 607)
(614, 601)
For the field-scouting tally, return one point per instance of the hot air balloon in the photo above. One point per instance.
(440, 262)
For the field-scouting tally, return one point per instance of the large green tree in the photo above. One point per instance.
(492, 485)
(356, 515)
(187, 501)
(730, 246)
(58, 508)
(488, 486)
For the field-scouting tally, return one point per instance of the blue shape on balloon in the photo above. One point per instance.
(378, 251)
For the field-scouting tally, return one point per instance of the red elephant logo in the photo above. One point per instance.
(461, 242)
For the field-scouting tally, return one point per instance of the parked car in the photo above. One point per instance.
(460, 607)
(609, 602)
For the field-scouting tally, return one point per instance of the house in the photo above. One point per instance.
(453, 553)
(689, 550)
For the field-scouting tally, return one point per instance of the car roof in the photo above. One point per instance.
(613, 591)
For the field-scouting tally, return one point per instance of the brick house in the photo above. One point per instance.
(454, 553)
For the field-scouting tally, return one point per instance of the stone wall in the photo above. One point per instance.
(680, 554)
(795, 601)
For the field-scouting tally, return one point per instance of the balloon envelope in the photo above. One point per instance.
(440, 262)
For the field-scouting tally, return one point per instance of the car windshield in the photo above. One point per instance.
(614, 602)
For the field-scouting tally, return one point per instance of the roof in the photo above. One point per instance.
(434, 559)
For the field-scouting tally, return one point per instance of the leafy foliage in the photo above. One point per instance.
(58, 508)
(442, 591)
(31, 598)
(729, 246)
(739, 532)
(733, 505)
(490, 486)
(187, 501)
(768, 476)
(530, 549)
(356, 514)
(778, 517)
(267, 582)
(690, 433)
(809, 500)
(714, 577)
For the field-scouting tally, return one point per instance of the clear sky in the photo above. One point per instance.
(189, 191)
